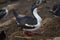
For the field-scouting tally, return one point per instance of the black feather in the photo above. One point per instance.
(2, 35)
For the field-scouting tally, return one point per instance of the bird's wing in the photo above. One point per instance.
(27, 19)
(30, 20)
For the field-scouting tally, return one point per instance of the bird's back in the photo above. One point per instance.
(27, 19)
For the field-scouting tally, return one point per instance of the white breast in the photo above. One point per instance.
(38, 25)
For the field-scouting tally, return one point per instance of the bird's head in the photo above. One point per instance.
(33, 6)
(3, 12)
(37, 4)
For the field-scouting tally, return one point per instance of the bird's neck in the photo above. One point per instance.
(36, 15)
(39, 19)
(15, 14)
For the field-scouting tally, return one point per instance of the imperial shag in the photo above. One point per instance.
(3, 13)
(56, 10)
(29, 23)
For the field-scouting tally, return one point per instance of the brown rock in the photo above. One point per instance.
(57, 38)
(3, 1)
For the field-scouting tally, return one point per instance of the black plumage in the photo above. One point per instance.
(2, 35)
(3, 13)
(56, 10)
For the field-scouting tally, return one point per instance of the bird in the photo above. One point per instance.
(26, 20)
(40, 1)
(2, 35)
(28, 23)
(56, 10)
(3, 13)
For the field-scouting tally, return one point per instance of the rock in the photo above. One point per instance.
(3, 1)
(13, 6)
(56, 38)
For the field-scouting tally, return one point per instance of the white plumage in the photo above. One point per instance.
(39, 19)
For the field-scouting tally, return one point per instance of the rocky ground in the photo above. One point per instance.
(50, 29)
